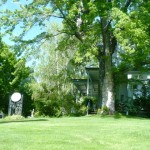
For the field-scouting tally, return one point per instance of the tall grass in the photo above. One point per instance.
(75, 133)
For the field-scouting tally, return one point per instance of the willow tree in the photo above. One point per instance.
(102, 23)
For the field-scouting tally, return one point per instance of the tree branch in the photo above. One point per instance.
(127, 4)
(56, 16)
(77, 34)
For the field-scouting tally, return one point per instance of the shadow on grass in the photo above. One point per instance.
(122, 116)
(25, 120)
(138, 117)
(118, 116)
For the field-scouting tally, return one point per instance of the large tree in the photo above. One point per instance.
(105, 23)
(7, 61)
(14, 76)
(52, 87)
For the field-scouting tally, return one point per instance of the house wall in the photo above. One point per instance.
(121, 92)
(136, 82)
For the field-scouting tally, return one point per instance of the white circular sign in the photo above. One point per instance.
(15, 97)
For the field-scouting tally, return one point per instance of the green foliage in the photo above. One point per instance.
(129, 24)
(132, 35)
(117, 115)
(125, 21)
(7, 62)
(86, 105)
(142, 103)
(86, 99)
(14, 76)
(47, 108)
(139, 106)
(126, 107)
(52, 84)
(54, 106)
(82, 110)
(105, 111)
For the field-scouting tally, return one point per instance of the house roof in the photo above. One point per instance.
(138, 75)
(93, 73)
(81, 84)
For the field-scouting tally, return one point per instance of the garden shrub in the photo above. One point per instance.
(47, 108)
(126, 107)
(55, 106)
(87, 103)
(105, 110)
(14, 117)
(143, 106)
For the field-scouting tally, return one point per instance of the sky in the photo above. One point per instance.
(13, 5)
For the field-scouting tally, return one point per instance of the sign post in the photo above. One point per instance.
(15, 104)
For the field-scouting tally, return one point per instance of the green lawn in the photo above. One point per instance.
(76, 133)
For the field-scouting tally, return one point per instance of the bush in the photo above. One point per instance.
(47, 108)
(83, 110)
(121, 106)
(14, 118)
(117, 115)
(143, 106)
(54, 105)
(105, 110)
(87, 104)
(99, 111)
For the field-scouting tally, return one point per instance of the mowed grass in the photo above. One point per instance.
(76, 133)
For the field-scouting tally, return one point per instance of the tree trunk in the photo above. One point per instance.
(107, 88)
(107, 81)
